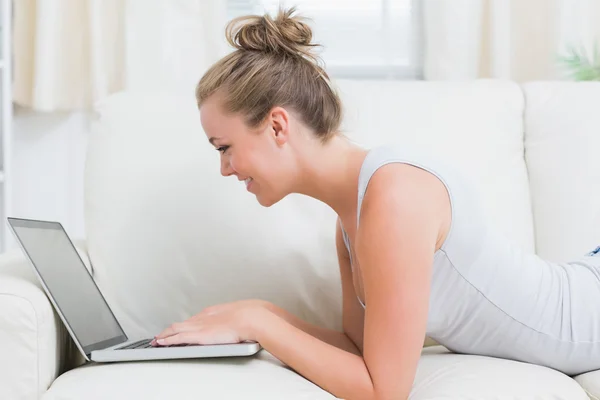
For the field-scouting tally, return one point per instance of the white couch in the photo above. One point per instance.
(168, 236)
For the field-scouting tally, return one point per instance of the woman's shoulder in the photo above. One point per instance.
(400, 179)
(404, 170)
(405, 184)
(399, 189)
(415, 162)
(403, 206)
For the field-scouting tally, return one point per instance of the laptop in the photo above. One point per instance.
(84, 310)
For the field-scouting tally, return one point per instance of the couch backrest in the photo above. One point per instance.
(562, 151)
(168, 236)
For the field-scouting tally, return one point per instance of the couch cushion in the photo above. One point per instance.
(440, 375)
(258, 377)
(444, 375)
(591, 383)
(562, 153)
(169, 236)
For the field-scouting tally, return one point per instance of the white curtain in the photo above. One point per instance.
(519, 40)
(171, 43)
(68, 54)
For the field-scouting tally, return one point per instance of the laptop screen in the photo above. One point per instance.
(69, 284)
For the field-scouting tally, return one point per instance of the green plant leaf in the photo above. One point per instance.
(579, 66)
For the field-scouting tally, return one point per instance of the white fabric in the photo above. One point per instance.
(31, 335)
(258, 377)
(443, 375)
(439, 375)
(68, 54)
(497, 39)
(34, 344)
(452, 39)
(591, 383)
(562, 142)
(171, 43)
(578, 24)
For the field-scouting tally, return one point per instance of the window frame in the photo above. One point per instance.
(411, 71)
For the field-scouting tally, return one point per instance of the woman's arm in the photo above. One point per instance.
(330, 336)
(339, 372)
(395, 246)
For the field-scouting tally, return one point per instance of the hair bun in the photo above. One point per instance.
(284, 34)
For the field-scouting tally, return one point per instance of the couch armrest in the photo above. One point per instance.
(34, 345)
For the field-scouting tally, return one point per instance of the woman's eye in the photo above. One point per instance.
(222, 149)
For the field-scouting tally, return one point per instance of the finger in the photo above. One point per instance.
(175, 329)
(179, 338)
(178, 328)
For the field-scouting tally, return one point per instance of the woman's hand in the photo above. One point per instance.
(224, 323)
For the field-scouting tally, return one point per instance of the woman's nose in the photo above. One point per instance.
(226, 169)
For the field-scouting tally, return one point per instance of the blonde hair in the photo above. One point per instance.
(273, 66)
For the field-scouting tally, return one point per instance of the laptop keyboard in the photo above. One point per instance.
(145, 344)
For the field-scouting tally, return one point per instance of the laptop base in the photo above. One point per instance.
(176, 352)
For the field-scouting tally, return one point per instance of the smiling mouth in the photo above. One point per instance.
(247, 181)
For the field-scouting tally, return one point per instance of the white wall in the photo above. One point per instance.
(48, 164)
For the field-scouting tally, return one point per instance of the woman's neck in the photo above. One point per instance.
(329, 173)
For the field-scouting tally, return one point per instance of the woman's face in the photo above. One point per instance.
(257, 157)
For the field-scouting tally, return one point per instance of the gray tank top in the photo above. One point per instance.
(487, 295)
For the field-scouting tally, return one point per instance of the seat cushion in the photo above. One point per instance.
(441, 374)
(260, 377)
(445, 375)
(591, 383)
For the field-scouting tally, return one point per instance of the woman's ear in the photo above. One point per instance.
(280, 125)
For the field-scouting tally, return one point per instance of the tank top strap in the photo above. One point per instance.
(376, 158)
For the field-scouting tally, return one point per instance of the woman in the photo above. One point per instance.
(416, 254)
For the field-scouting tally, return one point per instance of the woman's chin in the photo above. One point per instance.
(267, 201)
